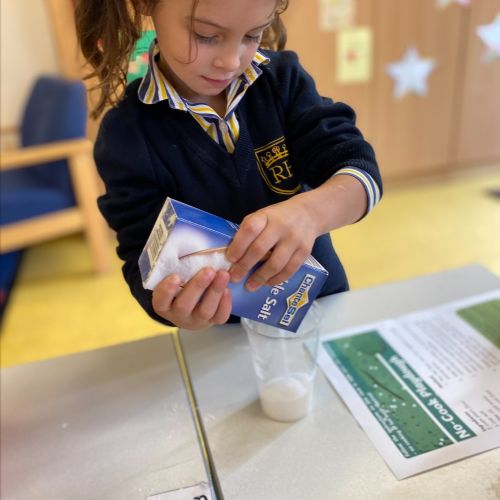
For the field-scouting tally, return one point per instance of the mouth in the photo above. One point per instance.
(217, 83)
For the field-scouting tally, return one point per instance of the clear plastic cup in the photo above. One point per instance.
(285, 365)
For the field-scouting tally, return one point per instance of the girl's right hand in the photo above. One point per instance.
(203, 301)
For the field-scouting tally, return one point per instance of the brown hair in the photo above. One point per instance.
(107, 31)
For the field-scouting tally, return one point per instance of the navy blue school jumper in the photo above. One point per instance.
(290, 139)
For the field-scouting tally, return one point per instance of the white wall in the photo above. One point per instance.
(26, 51)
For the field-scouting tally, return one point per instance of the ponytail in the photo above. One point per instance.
(275, 37)
(107, 31)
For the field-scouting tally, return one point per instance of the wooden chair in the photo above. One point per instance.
(49, 186)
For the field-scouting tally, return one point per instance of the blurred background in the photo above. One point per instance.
(422, 75)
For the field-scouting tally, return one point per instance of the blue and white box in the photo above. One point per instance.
(185, 239)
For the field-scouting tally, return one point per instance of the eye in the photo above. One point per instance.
(205, 39)
(254, 38)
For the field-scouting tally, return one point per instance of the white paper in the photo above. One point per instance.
(336, 14)
(425, 387)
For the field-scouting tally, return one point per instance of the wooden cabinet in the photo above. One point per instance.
(456, 123)
(477, 131)
(412, 134)
(316, 50)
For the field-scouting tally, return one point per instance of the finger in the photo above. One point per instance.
(293, 265)
(279, 258)
(258, 251)
(224, 310)
(251, 227)
(192, 292)
(209, 304)
(165, 292)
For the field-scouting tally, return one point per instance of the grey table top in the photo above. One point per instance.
(326, 455)
(114, 423)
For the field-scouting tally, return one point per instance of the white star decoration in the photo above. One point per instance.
(445, 3)
(490, 36)
(410, 74)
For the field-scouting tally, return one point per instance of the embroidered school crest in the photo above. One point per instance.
(274, 166)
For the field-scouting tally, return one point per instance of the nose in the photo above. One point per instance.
(228, 58)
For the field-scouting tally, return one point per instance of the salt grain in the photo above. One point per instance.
(287, 398)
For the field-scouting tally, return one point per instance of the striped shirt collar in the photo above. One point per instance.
(155, 87)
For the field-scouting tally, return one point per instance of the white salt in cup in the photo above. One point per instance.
(285, 365)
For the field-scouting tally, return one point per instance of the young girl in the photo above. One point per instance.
(224, 124)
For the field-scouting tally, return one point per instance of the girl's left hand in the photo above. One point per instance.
(282, 234)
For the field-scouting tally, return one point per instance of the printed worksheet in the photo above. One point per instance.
(425, 387)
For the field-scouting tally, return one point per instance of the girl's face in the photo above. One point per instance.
(202, 54)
